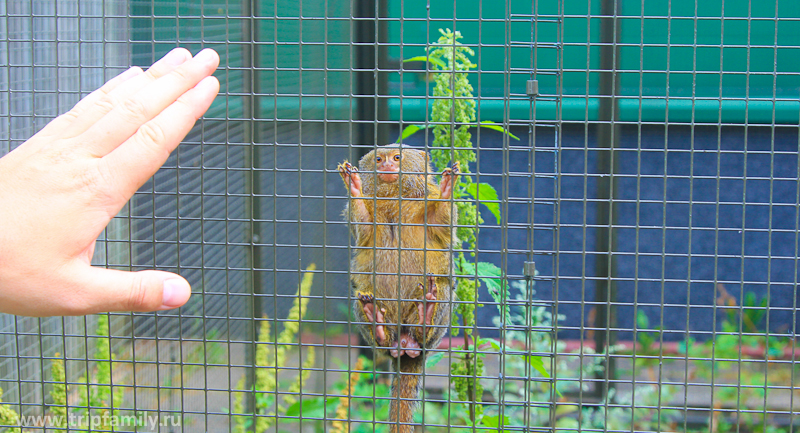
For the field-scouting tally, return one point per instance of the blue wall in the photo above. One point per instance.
(710, 205)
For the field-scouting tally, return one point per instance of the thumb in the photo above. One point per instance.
(113, 290)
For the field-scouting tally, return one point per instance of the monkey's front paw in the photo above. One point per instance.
(449, 178)
(351, 178)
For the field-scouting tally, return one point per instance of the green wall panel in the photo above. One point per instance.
(685, 61)
(678, 60)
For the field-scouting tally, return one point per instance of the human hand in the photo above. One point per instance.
(60, 189)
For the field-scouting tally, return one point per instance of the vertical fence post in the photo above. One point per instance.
(370, 58)
(608, 135)
(251, 110)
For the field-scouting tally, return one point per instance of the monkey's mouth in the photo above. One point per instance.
(388, 177)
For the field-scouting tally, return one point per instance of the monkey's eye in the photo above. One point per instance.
(378, 159)
(397, 157)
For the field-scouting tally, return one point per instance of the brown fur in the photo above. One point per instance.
(402, 265)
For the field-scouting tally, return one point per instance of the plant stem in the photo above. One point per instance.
(470, 384)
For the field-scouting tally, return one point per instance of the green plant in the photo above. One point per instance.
(737, 386)
(96, 397)
(196, 354)
(59, 392)
(8, 416)
(526, 389)
(270, 355)
(452, 115)
(630, 411)
(743, 384)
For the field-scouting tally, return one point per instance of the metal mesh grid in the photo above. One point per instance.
(659, 203)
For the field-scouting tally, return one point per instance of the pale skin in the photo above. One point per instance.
(60, 189)
(388, 171)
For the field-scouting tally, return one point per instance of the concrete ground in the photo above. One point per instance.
(205, 390)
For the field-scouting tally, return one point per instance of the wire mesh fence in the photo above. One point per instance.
(635, 270)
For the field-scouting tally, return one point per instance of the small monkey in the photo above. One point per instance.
(402, 222)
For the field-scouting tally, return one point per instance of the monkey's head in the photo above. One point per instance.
(388, 169)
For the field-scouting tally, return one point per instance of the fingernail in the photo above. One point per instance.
(130, 73)
(176, 57)
(206, 56)
(175, 293)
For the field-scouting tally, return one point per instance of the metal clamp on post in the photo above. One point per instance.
(529, 270)
(532, 88)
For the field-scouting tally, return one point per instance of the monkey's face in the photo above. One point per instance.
(388, 166)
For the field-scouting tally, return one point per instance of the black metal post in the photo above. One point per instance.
(251, 110)
(608, 135)
(371, 83)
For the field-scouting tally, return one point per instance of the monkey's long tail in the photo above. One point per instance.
(406, 386)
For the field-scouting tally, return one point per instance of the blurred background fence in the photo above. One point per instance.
(654, 186)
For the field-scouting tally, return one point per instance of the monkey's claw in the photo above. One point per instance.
(455, 170)
(366, 298)
(347, 168)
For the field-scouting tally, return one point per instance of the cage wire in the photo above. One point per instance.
(646, 245)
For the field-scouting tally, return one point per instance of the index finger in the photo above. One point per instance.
(106, 101)
(137, 159)
(133, 111)
(64, 121)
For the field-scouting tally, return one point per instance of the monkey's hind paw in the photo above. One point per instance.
(426, 311)
(368, 306)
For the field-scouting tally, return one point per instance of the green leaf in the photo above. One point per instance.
(265, 400)
(492, 342)
(488, 273)
(383, 411)
(494, 421)
(435, 61)
(465, 268)
(409, 131)
(491, 275)
(485, 194)
(486, 269)
(537, 362)
(434, 359)
(642, 320)
(491, 125)
(686, 346)
(565, 409)
(309, 407)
